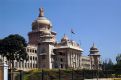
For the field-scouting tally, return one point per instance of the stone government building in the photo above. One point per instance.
(45, 52)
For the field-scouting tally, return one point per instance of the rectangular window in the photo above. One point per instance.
(28, 65)
(61, 65)
(19, 64)
(35, 51)
(16, 64)
(61, 59)
(60, 53)
(25, 65)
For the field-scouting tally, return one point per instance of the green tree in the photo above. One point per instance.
(118, 59)
(117, 66)
(2, 49)
(13, 48)
(108, 65)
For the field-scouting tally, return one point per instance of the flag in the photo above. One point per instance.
(72, 31)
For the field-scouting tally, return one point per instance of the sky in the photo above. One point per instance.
(93, 21)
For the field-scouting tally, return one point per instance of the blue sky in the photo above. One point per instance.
(97, 21)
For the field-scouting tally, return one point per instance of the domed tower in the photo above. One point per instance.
(41, 30)
(64, 39)
(94, 57)
(44, 38)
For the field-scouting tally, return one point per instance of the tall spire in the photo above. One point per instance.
(65, 38)
(93, 45)
(41, 14)
(64, 35)
(93, 48)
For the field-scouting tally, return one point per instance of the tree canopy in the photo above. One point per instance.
(107, 64)
(118, 59)
(13, 47)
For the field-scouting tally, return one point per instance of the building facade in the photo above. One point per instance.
(45, 52)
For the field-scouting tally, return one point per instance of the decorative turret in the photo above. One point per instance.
(43, 35)
(41, 30)
(65, 38)
(94, 57)
(93, 49)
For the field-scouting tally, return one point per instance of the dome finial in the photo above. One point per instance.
(41, 14)
(93, 45)
(64, 35)
(65, 38)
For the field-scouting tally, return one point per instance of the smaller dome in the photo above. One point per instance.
(65, 38)
(93, 48)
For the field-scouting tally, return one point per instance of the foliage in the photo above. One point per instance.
(2, 47)
(118, 59)
(108, 65)
(13, 47)
(66, 74)
(117, 67)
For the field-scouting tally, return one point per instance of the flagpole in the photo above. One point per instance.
(71, 35)
(80, 42)
(72, 32)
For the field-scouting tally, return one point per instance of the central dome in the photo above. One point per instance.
(42, 19)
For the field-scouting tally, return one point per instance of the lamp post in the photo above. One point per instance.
(42, 74)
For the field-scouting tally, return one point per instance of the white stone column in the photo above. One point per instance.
(68, 61)
(70, 58)
(3, 71)
(32, 62)
(76, 60)
(79, 60)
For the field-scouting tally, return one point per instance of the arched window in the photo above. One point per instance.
(25, 65)
(30, 57)
(33, 58)
(33, 65)
(30, 50)
(27, 50)
(28, 65)
(35, 51)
